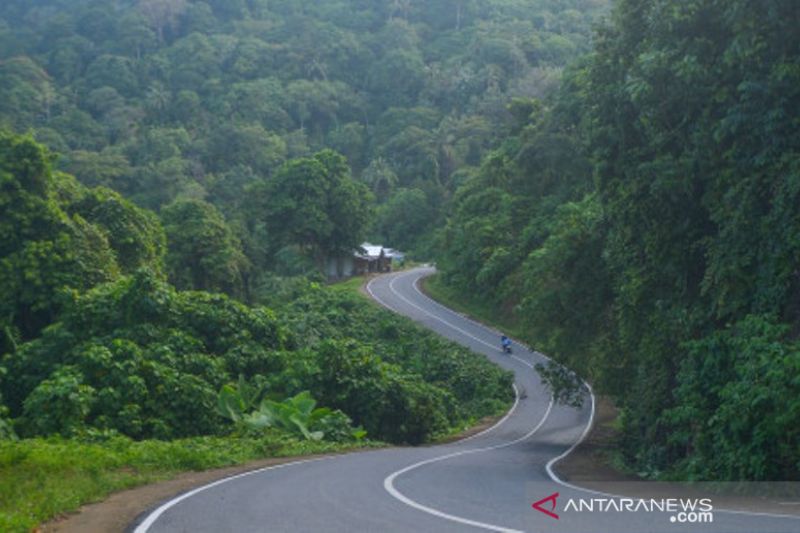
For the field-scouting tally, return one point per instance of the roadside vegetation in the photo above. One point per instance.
(478, 308)
(105, 358)
(641, 223)
(44, 478)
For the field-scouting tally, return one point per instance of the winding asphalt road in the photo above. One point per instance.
(486, 482)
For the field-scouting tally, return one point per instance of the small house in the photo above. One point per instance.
(371, 259)
(366, 259)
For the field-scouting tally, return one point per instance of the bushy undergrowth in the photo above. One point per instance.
(393, 377)
(742, 384)
(140, 358)
(245, 406)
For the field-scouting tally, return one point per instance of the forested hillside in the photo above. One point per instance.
(625, 183)
(96, 339)
(643, 225)
(169, 167)
(182, 99)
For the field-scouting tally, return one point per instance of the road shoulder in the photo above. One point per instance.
(117, 512)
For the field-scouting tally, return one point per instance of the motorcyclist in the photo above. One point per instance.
(505, 342)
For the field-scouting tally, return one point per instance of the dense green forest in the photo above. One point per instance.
(643, 225)
(173, 99)
(170, 167)
(627, 188)
(96, 339)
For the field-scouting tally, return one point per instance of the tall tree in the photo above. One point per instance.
(203, 253)
(44, 250)
(162, 14)
(315, 203)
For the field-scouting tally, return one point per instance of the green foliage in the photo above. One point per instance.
(741, 386)
(203, 252)
(404, 217)
(42, 479)
(135, 235)
(692, 204)
(314, 203)
(155, 359)
(296, 415)
(380, 396)
(233, 403)
(59, 235)
(142, 359)
(567, 293)
(244, 406)
(161, 99)
(642, 222)
(44, 249)
(59, 404)
(6, 428)
(399, 382)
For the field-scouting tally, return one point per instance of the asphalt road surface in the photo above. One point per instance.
(486, 482)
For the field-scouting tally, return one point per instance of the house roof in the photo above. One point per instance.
(373, 252)
(369, 251)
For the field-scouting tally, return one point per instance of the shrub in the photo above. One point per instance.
(59, 404)
(154, 359)
(138, 357)
(296, 415)
(738, 403)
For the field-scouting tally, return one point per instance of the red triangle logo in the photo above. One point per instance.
(552, 499)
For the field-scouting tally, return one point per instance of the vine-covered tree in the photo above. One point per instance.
(59, 235)
(203, 253)
(643, 222)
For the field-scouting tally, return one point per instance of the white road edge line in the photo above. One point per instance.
(468, 319)
(554, 460)
(388, 483)
(445, 322)
(145, 525)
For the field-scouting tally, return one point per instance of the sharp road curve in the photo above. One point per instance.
(487, 482)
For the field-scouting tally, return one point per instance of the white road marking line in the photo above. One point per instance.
(148, 522)
(388, 483)
(549, 466)
(445, 322)
(478, 324)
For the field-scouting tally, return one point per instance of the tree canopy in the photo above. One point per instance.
(314, 203)
(643, 222)
(59, 235)
(161, 100)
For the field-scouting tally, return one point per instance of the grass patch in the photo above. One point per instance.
(43, 478)
(351, 285)
(478, 309)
